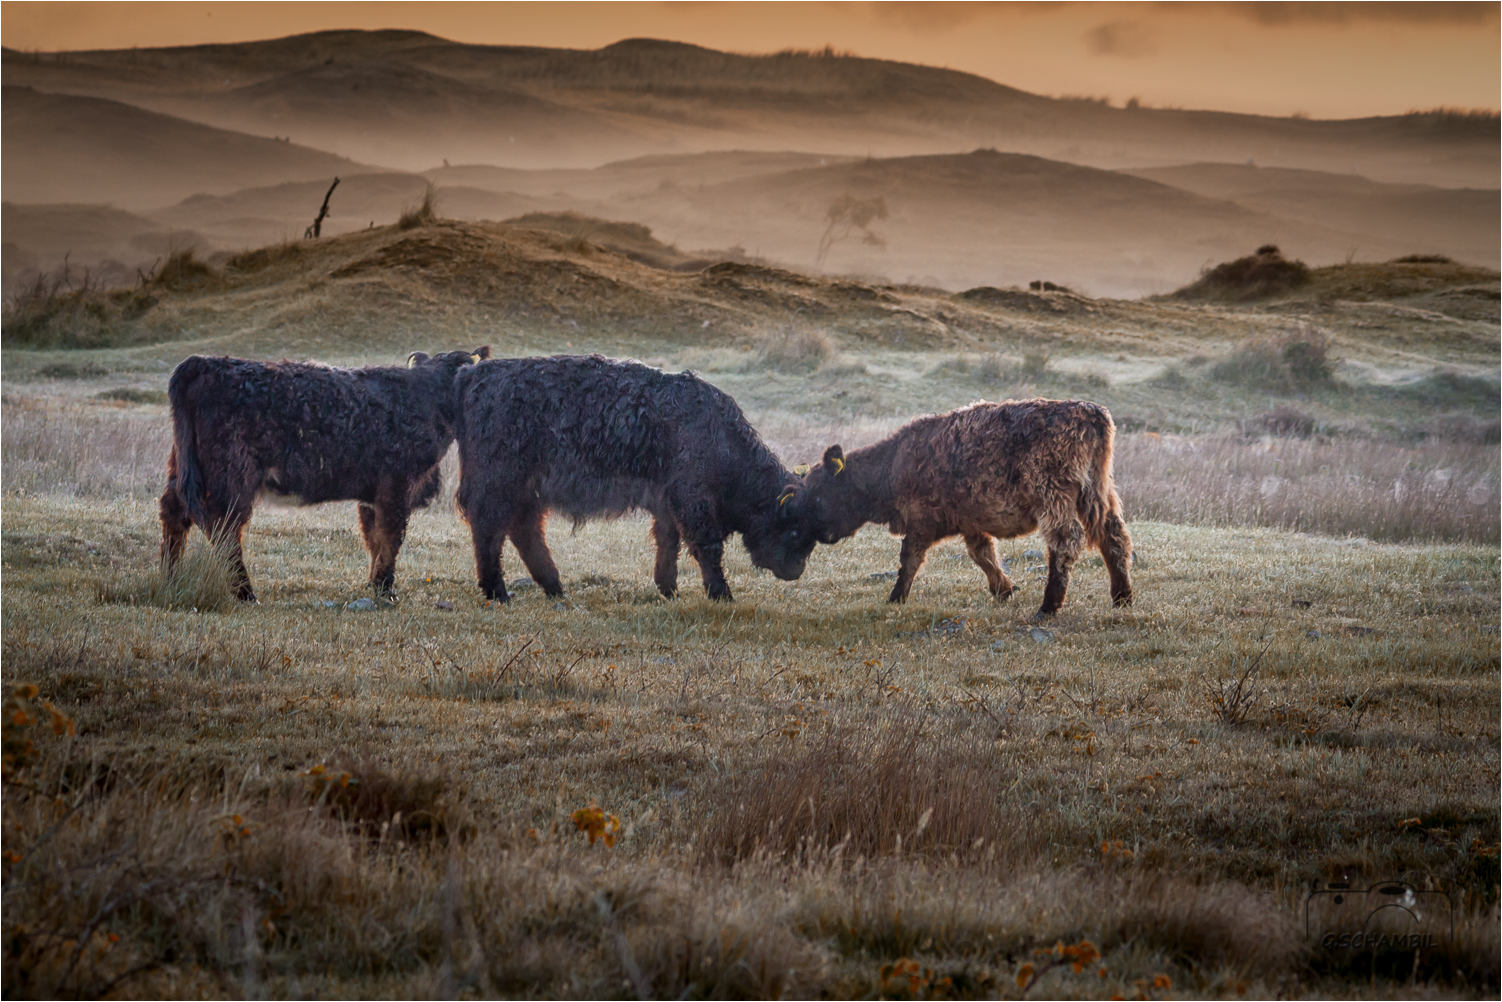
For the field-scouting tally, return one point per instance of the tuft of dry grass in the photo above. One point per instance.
(896, 783)
(423, 214)
(203, 580)
(796, 350)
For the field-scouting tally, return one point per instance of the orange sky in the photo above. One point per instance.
(1326, 60)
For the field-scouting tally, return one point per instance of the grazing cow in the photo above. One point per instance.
(983, 471)
(591, 436)
(311, 433)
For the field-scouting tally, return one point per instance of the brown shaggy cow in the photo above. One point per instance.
(311, 433)
(983, 471)
(589, 436)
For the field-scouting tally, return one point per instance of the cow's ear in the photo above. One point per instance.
(482, 353)
(416, 358)
(834, 458)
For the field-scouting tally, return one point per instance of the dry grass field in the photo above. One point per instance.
(806, 792)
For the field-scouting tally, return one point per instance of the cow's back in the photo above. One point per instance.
(318, 432)
(588, 435)
(1021, 454)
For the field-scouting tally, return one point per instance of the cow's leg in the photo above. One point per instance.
(226, 530)
(915, 546)
(1116, 551)
(1065, 537)
(982, 547)
(489, 534)
(665, 573)
(706, 543)
(527, 534)
(175, 520)
(384, 526)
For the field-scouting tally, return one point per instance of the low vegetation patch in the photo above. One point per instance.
(1297, 362)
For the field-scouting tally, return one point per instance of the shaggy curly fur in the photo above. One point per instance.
(590, 436)
(983, 471)
(312, 433)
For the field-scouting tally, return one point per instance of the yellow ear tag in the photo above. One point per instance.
(476, 359)
(787, 496)
(801, 470)
(839, 465)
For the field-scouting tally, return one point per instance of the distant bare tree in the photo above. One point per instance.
(845, 216)
(317, 228)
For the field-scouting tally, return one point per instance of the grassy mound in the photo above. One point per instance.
(1256, 276)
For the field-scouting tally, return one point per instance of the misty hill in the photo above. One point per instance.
(956, 221)
(519, 106)
(1461, 222)
(85, 149)
(252, 217)
(988, 218)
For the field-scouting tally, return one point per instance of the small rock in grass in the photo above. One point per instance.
(881, 576)
(361, 605)
(441, 604)
(1033, 554)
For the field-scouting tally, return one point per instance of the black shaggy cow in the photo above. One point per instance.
(590, 436)
(311, 433)
(983, 471)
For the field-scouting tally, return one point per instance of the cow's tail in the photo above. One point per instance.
(1098, 500)
(189, 482)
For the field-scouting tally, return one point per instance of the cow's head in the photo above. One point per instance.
(780, 540)
(453, 360)
(832, 505)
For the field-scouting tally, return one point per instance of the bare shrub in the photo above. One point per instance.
(183, 271)
(1257, 276)
(65, 309)
(1232, 697)
(1297, 362)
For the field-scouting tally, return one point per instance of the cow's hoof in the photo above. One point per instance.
(1044, 615)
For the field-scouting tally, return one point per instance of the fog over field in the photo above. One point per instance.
(1219, 790)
